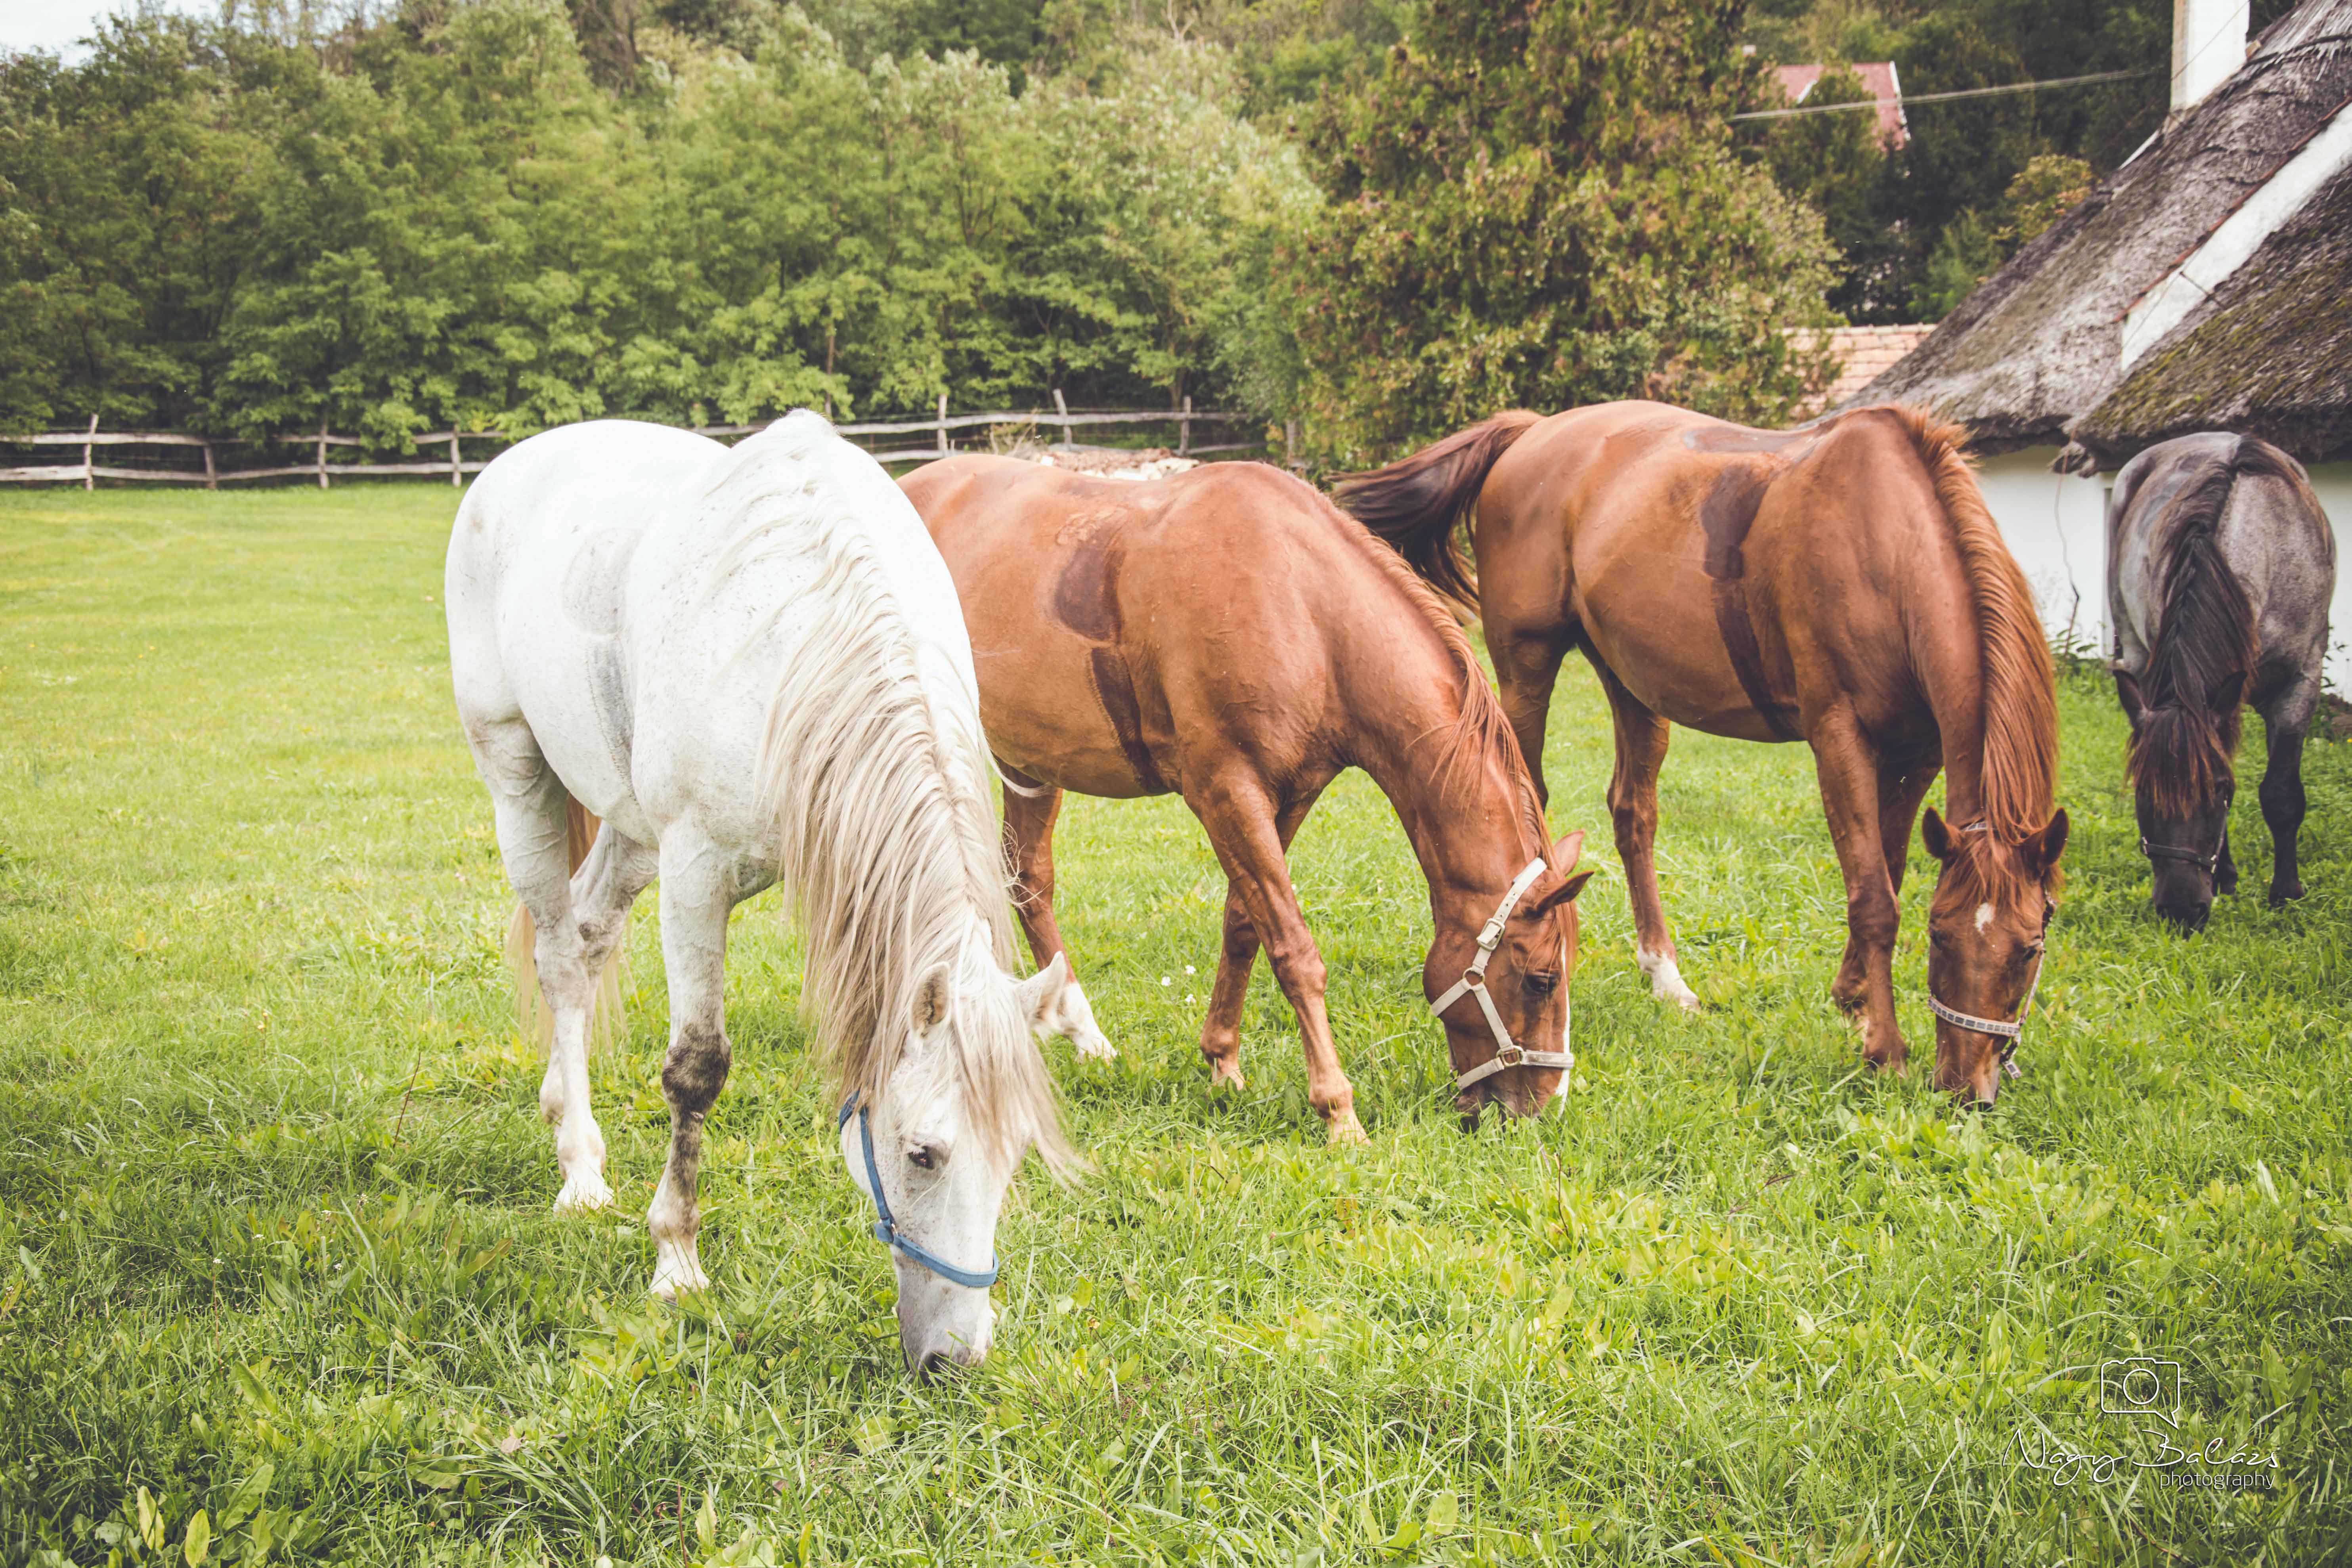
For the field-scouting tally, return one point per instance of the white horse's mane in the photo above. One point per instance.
(887, 837)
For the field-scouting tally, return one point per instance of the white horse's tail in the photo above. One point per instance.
(533, 1017)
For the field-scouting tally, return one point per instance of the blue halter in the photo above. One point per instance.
(885, 1229)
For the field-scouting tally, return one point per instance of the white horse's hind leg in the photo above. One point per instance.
(696, 896)
(601, 892)
(528, 801)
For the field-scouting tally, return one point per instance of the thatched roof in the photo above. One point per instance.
(2268, 354)
(2035, 346)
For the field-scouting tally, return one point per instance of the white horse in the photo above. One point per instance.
(751, 664)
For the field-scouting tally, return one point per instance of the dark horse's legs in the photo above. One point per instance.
(2286, 720)
(1853, 793)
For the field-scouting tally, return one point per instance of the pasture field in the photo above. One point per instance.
(277, 1280)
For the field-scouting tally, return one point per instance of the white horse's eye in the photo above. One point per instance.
(920, 1158)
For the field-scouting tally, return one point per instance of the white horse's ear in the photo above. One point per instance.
(929, 1009)
(1041, 994)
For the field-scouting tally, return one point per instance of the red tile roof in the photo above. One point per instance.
(1877, 76)
(1864, 353)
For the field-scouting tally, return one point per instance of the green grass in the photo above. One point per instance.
(276, 1276)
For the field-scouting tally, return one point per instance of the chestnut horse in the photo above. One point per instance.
(1229, 636)
(1840, 585)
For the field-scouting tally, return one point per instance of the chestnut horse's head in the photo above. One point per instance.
(1523, 976)
(1985, 930)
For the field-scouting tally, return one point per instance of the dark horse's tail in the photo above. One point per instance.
(1416, 503)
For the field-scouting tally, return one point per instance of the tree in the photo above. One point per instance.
(1537, 204)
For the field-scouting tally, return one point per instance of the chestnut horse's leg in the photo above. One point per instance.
(1852, 790)
(1030, 810)
(1527, 666)
(1235, 807)
(1900, 791)
(1642, 736)
(1220, 1030)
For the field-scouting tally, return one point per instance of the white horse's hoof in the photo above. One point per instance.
(584, 1194)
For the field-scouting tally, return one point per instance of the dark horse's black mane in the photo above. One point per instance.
(2204, 648)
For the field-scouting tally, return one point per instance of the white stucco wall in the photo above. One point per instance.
(2056, 526)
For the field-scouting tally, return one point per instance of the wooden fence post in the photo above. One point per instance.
(456, 473)
(212, 474)
(322, 451)
(943, 424)
(1063, 408)
(89, 473)
(1184, 428)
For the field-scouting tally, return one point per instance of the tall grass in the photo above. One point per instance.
(277, 1279)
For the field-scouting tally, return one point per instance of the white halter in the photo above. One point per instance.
(1508, 1053)
(2006, 1033)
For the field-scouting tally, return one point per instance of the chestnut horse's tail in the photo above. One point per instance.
(2021, 697)
(532, 1015)
(1416, 503)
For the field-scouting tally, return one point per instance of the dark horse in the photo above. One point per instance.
(2220, 568)
(1840, 585)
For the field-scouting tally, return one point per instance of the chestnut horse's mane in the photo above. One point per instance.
(1480, 727)
(2021, 710)
(2204, 640)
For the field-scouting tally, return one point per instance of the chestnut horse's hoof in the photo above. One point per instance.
(1344, 1127)
(1224, 1072)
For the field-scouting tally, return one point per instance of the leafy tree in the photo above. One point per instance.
(1537, 204)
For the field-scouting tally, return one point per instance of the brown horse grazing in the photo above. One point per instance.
(1840, 585)
(1229, 636)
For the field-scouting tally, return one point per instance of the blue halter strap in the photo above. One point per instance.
(885, 1229)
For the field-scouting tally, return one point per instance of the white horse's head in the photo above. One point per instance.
(967, 1100)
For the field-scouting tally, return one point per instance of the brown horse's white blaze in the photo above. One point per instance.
(1228, 635)
(1840, 584)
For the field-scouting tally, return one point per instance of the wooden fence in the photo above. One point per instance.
(941, 426)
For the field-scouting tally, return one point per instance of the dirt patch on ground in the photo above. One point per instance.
(1149, 463)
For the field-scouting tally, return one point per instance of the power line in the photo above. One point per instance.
(1906, 99)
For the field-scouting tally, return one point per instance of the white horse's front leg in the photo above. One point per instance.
(694, 902)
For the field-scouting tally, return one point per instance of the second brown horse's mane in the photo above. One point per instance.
(2017, 773)
(1481, 728)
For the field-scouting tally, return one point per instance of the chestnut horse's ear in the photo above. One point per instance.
(1563, 858)
(2041, 850)
(1936, 836)
(2128, 693)
(1564, 894)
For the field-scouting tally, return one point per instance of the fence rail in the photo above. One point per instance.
(941, 427)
